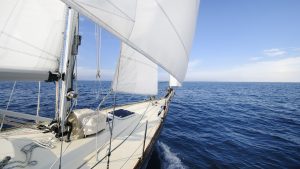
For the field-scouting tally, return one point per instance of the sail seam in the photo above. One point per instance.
(126, 16)
(78, 6)
(119, 10)
(129, 58)
(28, 44)
(173, 26)
(6, 22)
(134, 20)
(17, 51)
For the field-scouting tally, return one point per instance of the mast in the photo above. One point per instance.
(162, 31)
(71, 49)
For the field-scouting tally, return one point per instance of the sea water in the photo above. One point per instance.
(209, 125)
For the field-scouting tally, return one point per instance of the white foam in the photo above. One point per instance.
(170, 159)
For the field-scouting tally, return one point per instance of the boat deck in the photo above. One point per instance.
(126, 146)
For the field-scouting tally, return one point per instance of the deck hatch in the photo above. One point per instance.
(121, 113)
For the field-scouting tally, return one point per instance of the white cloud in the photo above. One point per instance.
(296, 49)
(194, 64)
(293, 48)
(256, 58)
(283, 70)
(274, 52)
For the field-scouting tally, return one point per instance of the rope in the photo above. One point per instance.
(98, 35)
(98, 75)
(103, 100)
(98, 49)
(38, 103)
(28, 151)
(111, 127)
(9, 100)
(98, 108)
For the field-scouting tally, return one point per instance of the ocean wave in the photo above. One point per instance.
(209, 125)
(170, 160)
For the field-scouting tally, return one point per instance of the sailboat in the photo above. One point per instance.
(39, 41)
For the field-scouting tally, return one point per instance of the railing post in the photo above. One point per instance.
(145, 139)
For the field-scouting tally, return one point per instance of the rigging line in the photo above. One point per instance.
(114, 137)
(99, 51)
(71, 109)
(130, 157)
(138, 146)
(122, 37)
(126, 137)
(9, 100)
(98, 108)
(111, 127)
(38, 103)
(114, 107)
(98, 33)
(104, 99)
(98, 48)
(52, 165)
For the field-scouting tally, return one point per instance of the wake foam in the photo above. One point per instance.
(169, 159)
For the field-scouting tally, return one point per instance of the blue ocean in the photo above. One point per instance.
(209, 125)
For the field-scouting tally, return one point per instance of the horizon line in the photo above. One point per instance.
(188, 81)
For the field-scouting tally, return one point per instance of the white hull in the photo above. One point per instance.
(126, 147)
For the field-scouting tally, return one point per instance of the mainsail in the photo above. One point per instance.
(161, 30)
(135, 73)
(31, 38)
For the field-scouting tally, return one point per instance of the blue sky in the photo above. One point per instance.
(235, 40)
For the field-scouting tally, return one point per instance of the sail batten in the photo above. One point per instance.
(31, 39)
(161, 30)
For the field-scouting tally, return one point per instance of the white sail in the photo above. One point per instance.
(135, 74)
(173, 82)
(31, 38)
(161, 30)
